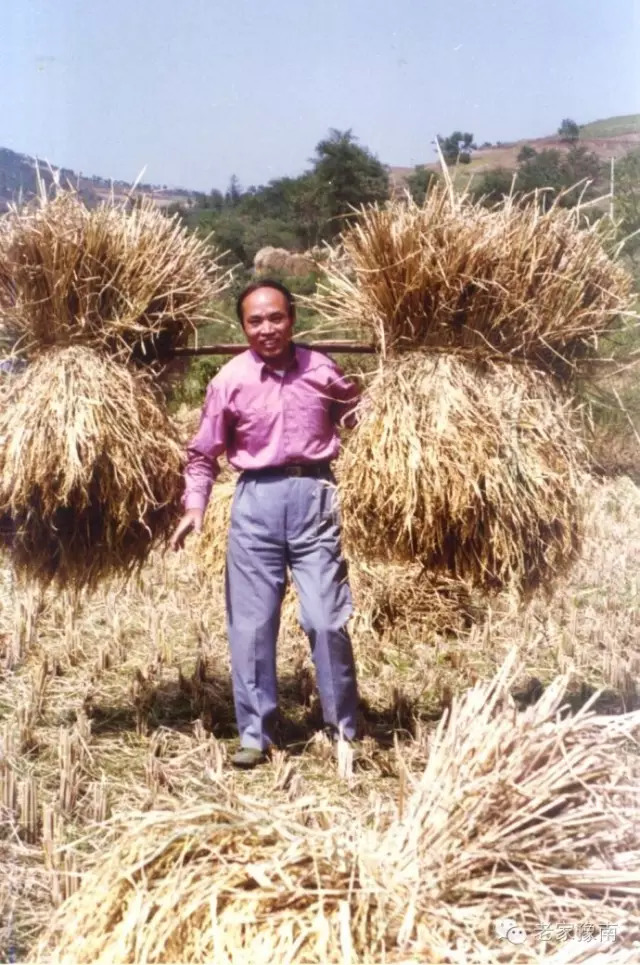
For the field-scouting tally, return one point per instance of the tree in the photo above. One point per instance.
(569, 130)
(543, 170)
(278, 232)
(310, 212)
(627, 201)
(216, 199)
(526, 153)
(457, 148)
(581, 165)
(229, 231)
(293, 213)
(234, 192)
(420, 182)
(560, 171)
(494, 186)
(347, 176)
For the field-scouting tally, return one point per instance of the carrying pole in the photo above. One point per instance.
(345, 348)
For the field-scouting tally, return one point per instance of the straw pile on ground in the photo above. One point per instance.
(90, 467)
(474, 470)
(131, 283)
(525, 815)
(466, 457)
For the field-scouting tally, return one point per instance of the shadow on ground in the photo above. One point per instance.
(177, 703)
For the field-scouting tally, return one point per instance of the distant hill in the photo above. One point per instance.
(19, 180)
(612, 137)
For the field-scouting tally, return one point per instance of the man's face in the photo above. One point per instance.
(267, 324)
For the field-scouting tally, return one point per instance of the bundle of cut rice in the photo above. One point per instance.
(471, 469)
(127, 281)
(211, 549)
(513, 282)
(526, 816)
(402, 599)
(90, 467)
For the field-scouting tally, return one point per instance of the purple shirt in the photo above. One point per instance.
(261, 419)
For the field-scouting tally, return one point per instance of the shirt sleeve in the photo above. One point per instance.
(346, 396)
(204, 450)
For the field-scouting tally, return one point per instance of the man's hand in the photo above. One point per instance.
(190, 522)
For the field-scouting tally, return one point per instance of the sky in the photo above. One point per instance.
(197, 90)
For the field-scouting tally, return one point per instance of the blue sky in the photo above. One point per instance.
(199, 89)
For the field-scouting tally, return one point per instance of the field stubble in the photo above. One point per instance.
(128, 707)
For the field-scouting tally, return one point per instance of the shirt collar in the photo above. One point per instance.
(267, 367)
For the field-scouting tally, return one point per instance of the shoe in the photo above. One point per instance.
(248, 757)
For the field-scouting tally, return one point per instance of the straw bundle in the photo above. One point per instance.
(401, 598)
(512, 282)
(211, 548)
(129, 282)
(527, 815)
(472, 470)
(90, 467)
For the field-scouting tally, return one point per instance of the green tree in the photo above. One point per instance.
(493, 186)
(581, 165)
(543, 170)
(347, 176)
(457, 148)
(627, 201)
(569, 130)
(229, 230)
(309, 207)
(234, 192)
(216, 199)
(293, 213)
(561, 171)
(278, 232)
(525, 153)
(549, 170)
(420, 182)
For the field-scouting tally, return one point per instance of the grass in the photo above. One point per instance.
(130, 707)
(612, 126)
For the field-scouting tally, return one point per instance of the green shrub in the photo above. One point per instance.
(190, 391)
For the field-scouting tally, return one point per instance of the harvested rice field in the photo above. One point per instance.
(494, 814)
(126, 837)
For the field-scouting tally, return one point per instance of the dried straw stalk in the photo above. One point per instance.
(473, 470)
(129, 281)
(530, 815)
(512, 282)
(90, 467)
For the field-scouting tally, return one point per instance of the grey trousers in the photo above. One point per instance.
(280, 522)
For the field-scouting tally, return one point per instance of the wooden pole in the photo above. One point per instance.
(345, 348)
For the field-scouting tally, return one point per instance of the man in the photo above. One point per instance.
(274, 410)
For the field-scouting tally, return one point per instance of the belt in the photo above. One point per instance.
(314, 469)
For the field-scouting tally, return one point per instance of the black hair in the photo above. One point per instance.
(265, 283)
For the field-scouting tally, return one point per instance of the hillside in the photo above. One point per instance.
(611, 137)
(19, 179)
